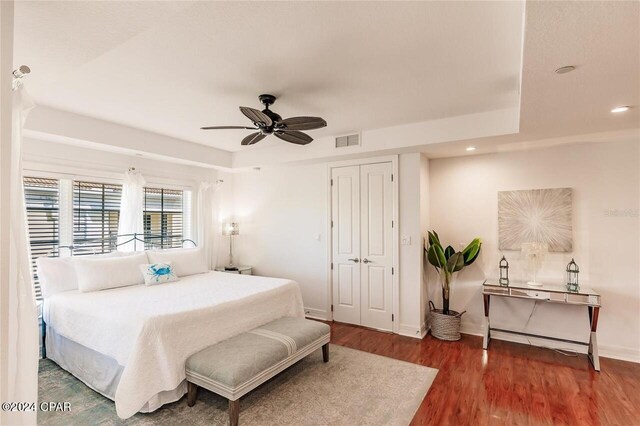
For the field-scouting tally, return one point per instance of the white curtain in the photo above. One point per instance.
(131, 216)
(22, 352)
(207, 220)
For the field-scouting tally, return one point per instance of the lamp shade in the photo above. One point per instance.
(231, 228)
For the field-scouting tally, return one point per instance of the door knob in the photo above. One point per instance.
(365, 260)
(355, 259)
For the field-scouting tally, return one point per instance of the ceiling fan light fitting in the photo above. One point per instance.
(267, 122)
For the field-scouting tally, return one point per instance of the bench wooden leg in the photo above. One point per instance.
(192, 394)
(234, 412)
(325, 352)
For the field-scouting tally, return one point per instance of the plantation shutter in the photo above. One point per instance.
(96, 211)
(163, 217)
(42, 199)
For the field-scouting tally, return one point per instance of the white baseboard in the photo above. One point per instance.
(606, 351)
(411, 331)
(619, 352)
(320, 314)
(470, 329)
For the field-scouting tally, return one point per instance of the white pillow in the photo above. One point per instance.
(103, 274)
(188, 261)
(58, 274)
(158, 273)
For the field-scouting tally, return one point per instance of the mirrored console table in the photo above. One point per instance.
(546, 293)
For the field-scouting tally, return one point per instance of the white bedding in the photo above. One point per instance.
(151, 331)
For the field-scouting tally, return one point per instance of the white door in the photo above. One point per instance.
(345, 216)
(376, 249)
(362, 251)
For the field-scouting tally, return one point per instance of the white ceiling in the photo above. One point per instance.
(171, 67)
(602, 40)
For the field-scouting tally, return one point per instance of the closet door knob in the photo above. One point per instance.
(365, 260)
(355, 259)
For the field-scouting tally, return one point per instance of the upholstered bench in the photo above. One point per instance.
(236, 366)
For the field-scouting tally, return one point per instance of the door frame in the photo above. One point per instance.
(395, 298)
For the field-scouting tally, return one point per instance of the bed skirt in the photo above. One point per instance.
(99, 371)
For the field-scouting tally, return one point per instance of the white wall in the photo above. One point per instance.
(282, 210)
(411, 309)
(605, 178)
(72, 129)
(388, 140)
(62, 158)
(425, 224)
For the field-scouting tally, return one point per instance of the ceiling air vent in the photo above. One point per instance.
(348, 140)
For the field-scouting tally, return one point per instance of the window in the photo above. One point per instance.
(96, 211)
(42, 198)
(163, 221)
(61, 212)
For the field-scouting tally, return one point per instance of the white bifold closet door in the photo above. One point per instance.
(362, 252)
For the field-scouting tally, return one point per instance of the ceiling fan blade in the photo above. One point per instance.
(256, 116)
(303, 123)
(294, 136)
(227, 127)
(253, 138)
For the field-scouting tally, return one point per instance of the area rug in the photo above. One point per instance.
(353, 388)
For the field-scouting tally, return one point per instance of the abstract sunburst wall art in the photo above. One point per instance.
(536, 215)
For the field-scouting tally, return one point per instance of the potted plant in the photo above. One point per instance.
(445, 323)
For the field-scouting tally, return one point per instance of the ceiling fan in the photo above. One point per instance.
(268, 123)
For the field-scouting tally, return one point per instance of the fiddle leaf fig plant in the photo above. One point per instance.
(447, 262)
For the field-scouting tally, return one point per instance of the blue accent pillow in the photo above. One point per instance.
(158, 273)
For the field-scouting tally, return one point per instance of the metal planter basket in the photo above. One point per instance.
(445, 327)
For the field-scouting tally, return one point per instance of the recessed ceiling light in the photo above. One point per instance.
(621, 108)
(471, 148)
(564, 70)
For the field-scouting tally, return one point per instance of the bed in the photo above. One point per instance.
(130, 343)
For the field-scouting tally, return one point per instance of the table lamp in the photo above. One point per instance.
(230, 229)
(535, 253)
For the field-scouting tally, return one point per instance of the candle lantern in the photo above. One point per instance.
(504, 271)
(572, 276)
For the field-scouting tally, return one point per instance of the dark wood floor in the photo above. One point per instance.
(510, 384)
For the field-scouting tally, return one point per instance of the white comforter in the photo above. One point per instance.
(151, 331)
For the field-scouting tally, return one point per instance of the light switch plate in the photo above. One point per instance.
(405, 240)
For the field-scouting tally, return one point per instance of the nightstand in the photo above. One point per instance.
(243, 270)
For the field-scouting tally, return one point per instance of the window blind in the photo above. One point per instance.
(96, 211)
(42, 198)
(163, 218)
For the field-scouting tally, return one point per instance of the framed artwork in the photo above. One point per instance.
(535, 215)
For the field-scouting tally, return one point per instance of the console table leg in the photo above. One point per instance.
(593, 351)
(487, 336)
(594, 312)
